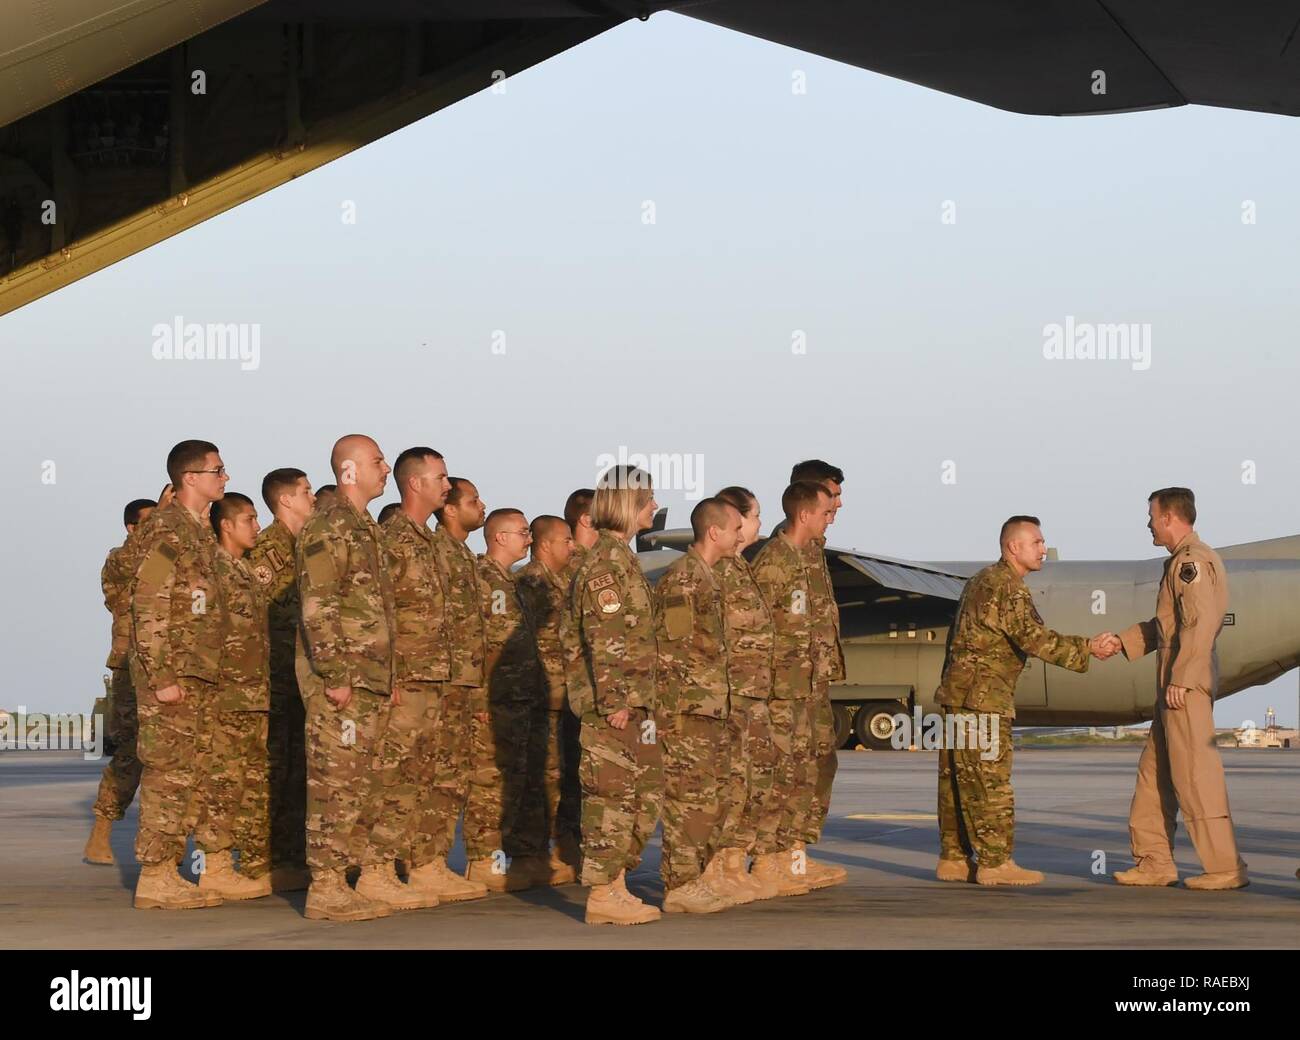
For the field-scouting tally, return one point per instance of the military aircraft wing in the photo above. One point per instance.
(910, 578)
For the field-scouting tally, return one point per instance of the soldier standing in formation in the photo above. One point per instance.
(122, 774)
(288, 495)
(996, 630)
(551, 801)
(612, 689)
(1180, 766)
(177, 632)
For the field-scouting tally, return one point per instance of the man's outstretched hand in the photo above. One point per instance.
(1104, 645)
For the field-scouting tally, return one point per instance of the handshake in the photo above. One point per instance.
(1104, 645)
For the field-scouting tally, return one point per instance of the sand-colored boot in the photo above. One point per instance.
(437, 879)
(219, 876)
(817, 873)
(564, 865)
(488, 874)
(735, 869)
(727, 877)
(621, 889)
(98, 849)
(290, 878)
(694, 897)
(764, 887)
(955, 870)
(378, 882)
(542, 870)
(330, 898)
(777, 868)
(1219, 881)
(1148, 873)
(1008, 873)
(606, 905)
(160, 887)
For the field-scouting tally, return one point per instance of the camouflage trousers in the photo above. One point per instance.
(825, 761)
(403, 775)
(287, 754)
(341, 746)
(977, 809)
(795, 782)
(697, 775)
(751, 805)
(498, 754)
(168, 746)
(621, 773)
(552, 795)
(121, 777)
(450, 766)
(234, 792)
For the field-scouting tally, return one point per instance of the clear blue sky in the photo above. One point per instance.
(522, 212)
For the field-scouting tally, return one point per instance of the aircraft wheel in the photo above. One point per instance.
(874, 724)
(843, 714)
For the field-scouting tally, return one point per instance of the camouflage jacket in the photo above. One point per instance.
(421, 647)
(750, 635)
(271, 562)
(246, 647)
(545, 596)
(347, 599)
(117, 598)
(781, 572)
(464, 605)
(513, 671)
(1190, 605)
(692, 669)
(612, 628)
(996, 630)
(828, 665)
(176, 613)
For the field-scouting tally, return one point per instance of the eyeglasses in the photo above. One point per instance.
(220, 471)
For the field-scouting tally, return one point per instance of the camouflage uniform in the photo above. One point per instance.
(996, 629)
(176, 639)
(463, 636)
(122, 774)
(753, 814)
(234, 791)
(403, 824)
(828, 667)
(782, 575)
(611, 666)
(271, 561)
(500, 723)
(552, 795)
(692, 711)
(347, 640)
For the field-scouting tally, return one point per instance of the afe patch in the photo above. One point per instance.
(1188, 573)
(601, 581)
(608, 601)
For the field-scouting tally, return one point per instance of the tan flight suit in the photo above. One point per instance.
(1180, 765)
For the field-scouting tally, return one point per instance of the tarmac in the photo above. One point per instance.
(1072, 812)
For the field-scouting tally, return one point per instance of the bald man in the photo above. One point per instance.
(997, 628)
(345, 673)
(553, 793)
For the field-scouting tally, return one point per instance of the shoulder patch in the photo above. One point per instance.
(274, 558)
(263, 574)
(1033, 611)
(1188, 572)
(166, 549)
(608, 601)
(677, 616)
(601, 581)
(158, 565)
(314, 548)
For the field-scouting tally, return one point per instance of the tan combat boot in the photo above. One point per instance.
(1007, 873)
(161, 888)
(564, 865)
(378, 883)
(694, 897)
(331, 899)
(1148, 872)
(1219, 881)
(98, 849)
(568, 849)
(219, 876)
(606, 905)
(485, 873)
(736, 871)
(818, 874)
(955, 870)
(776, 868)
(541, 870)
(436, 879)
(289, 878)
(620, 889)
(730, 885)
(764, 887)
